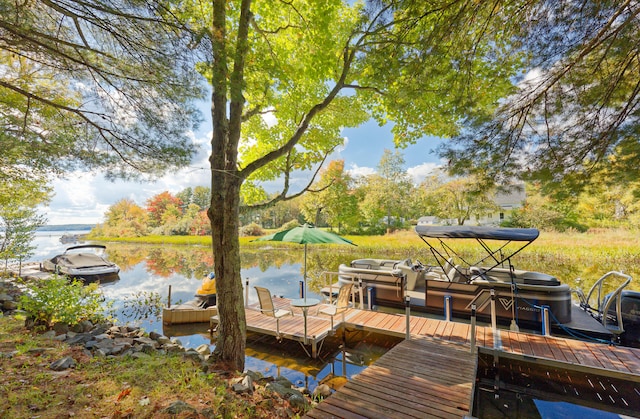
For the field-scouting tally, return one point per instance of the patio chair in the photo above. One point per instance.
(341, 305)
(267, 307)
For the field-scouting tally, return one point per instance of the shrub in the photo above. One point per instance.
(59, 300)
(252, 229)
(289, 224)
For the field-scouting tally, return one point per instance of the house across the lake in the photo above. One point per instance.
(507, 202)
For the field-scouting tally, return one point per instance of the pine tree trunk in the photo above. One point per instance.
(223, 213)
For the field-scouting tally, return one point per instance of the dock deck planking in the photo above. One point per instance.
(402, 384)
(407, 369)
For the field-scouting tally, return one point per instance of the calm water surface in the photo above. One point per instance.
(148, 271)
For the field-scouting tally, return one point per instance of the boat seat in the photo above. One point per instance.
(479, 273)
(455, 275)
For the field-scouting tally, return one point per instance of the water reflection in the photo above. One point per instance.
(148, 271)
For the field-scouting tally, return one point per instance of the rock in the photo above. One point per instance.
(284, 381)
(84, 326)
(172, 348)
(144, 341)
(256, 376)
(178, 407)
(322, 391)
(244, 385)
(297, 400)
(63, 364)
(9, 305)
(154, 335)
(99, 329)
(203, 349)
(193, 355)
(79, 339)
(61, 328)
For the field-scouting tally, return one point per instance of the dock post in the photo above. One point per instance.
(371, 298)
(169, 298)
(361, 293)
(407, 303)
(301, 289)
(546, 330)
(472, 338)
(493, 311)
(246, 293)
(447, 308)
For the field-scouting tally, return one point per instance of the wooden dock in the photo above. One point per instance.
(433, 374)
(290, 328)
(418, 378)
(385, 389)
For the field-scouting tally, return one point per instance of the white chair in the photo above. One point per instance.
(268, 308)
(341, 305)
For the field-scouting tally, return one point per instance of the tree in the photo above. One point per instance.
(94, 84)
(19, 219)
(578, 109)
(283, 77)
(201, 196)
(462, 198)
(124, 218)
(396, 185)
(162, 207)
(331, 198)
(18, 225)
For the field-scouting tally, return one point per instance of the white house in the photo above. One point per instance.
(507, 201)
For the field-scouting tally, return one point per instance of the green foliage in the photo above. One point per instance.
(288, 225)
(88, 84)
(576, 112)
(143, 305)
(59, 300)
(17, 227)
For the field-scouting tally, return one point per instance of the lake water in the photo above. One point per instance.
(148, 271)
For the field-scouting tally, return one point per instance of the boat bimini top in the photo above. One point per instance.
(499, 254)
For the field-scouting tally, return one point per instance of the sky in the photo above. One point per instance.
(83, 198)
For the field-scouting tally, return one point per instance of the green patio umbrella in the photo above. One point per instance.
(305, 234)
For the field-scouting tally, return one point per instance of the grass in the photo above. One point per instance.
(569, 256)
(119, 387)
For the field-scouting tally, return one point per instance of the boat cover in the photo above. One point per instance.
(81, 260)
(478, 232)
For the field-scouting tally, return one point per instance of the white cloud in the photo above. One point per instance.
(357, 171)
(83, 198)
(422, 171)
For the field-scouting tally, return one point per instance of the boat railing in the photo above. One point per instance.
(603, 300)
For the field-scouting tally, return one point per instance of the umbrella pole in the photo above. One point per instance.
(304, 289)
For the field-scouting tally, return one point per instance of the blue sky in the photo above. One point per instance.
(84, 197)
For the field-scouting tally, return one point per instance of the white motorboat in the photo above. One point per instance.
(86, 262)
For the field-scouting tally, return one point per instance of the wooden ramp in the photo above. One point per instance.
(420, 378)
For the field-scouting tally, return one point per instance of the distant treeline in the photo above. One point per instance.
(66, 227)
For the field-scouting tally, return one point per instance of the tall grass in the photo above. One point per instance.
(575, 258)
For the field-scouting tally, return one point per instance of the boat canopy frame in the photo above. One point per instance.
(524, 236)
